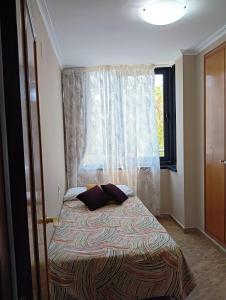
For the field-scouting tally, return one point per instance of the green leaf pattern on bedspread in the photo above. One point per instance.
(118, 252)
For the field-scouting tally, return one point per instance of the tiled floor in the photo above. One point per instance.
(207, 262)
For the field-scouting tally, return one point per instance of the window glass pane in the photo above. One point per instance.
(160, 111)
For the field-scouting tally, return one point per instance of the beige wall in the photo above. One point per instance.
(182, 184)
(176, 179)
(164, 192)
(50, 94)
(190, 124)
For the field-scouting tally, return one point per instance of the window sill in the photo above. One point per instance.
(172, 168)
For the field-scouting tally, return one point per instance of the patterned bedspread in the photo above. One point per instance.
(118, 252)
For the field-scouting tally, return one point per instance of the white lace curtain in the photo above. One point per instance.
(110, 129)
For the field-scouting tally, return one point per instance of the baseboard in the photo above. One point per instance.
(190, 229)
(164, 215)
(193, 229)
(212, 240)
(177, 221)
(185, 229)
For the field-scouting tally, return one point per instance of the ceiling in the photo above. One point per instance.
(104, 32)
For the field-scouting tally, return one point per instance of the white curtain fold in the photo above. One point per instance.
(110, 129)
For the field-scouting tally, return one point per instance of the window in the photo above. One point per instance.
(119, 115)
(166, 115)
(113, 112)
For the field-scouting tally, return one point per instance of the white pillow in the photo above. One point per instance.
(128, 191)
(72, 193)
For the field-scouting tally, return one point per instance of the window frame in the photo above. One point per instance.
(169, 107)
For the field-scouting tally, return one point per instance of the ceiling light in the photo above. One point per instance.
(163, 12)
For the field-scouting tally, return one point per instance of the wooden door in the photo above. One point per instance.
(215, 144)
(33, 156)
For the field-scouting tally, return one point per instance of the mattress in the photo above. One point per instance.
(118, 252)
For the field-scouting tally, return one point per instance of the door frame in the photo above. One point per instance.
(25, 9)
(13, 156)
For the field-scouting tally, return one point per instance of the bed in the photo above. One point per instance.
(118, 252)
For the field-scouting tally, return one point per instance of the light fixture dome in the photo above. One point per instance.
(163, 12)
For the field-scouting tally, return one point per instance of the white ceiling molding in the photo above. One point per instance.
(42, 5)
(188, 52)
(211, 39)
(205, 44)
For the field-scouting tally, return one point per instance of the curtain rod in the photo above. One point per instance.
(120, 65)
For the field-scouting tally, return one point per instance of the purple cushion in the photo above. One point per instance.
(94, 198)
(114, 192)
